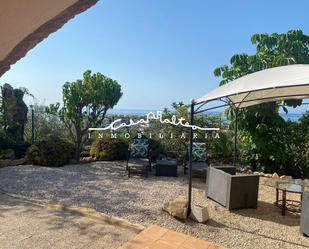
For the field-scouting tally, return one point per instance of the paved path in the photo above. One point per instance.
(24, 225)
(156, 237)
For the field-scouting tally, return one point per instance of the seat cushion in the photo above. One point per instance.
(202, 166)
(199, 153)
(138, 162)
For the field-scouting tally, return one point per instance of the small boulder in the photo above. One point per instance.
(249, 172)
(248, 169)
(178, 207)
(199, 213)
(258, 173)
(275, 176)
(86, 159)
(283, 177)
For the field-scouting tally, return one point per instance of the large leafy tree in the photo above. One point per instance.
(85, 103)
(261, 126)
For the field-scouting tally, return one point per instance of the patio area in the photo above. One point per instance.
(105, 187)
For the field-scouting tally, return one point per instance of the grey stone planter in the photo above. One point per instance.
(230, 190)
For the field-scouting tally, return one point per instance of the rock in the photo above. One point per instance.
(283, 177)
(239, 170)
(20, 161)
(268, 175)
(8, 162)
(258, 173)
(275, 176)
(289, 178)
(86, 159)
(15, 111)
(199, 213)
(178, 207)
(249, 171)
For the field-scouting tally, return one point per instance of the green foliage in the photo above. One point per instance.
(285, 149)
(52, 151)
(272, 50)
(221, 148)
(7, 143)
(109, 149)
(45, 125)
(175, 143)
(264, 135)
(174, 139)
(85, 103)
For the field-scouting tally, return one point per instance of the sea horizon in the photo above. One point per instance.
(142, 112)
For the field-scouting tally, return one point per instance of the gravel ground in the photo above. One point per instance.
(24, 225)
(105, 187)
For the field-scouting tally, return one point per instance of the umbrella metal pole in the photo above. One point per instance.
(190, 158)
(235, 137)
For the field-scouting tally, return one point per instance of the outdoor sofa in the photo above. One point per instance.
(231, 190)
(138, 160)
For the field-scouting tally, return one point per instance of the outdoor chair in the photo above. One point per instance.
(138, 160)
(199, 160)
(231, 190)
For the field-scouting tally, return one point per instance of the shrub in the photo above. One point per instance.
(52, 151)
(8, 143)
(220, 149)
(109, 149)
(284, 150)
(155, 149)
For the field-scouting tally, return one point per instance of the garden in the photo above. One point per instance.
(48, 152)
(57, 134)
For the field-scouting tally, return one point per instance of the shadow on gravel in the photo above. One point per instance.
(216, 224)
(14, 210)
(269, 212)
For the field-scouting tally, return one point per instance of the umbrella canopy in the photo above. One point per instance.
(279, 83)
(23, 24)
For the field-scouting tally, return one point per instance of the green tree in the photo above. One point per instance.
(262, 124)
(85, 103)
(175, 138)
(45, 125)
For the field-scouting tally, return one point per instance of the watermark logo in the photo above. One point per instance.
(117, 124)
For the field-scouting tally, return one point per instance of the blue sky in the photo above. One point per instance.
(160, 51)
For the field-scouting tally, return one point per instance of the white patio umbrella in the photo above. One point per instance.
(274, 84)
(23, 24)
(278, 83)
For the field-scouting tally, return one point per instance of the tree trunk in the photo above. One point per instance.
(78, 146)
